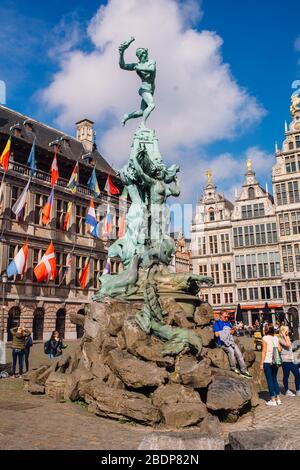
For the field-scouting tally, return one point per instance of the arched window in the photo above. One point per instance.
(13, 321)
(251, 193)
(211, 214)
(38, 324)
(79, 328)
(60, 324)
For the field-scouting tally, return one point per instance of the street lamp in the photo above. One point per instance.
(4, 280)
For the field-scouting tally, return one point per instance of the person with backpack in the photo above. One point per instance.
(270, 362)
(28, 345)
(54, 346)
(288, 364)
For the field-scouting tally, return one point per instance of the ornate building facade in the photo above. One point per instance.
(181, 261)
(263, 234)
(211, 246)
(44, 307)
(286, 187)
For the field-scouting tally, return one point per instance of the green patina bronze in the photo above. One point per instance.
(146, 70)
(146, 249)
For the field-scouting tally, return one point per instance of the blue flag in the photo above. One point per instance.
(31, 160)
(93, 184)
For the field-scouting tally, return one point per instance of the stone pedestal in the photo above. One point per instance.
(121, 373)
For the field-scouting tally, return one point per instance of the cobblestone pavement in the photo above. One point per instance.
(284, 418)
(37, 422)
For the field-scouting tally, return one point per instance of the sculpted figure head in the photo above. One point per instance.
(142, 54)
(170, 174)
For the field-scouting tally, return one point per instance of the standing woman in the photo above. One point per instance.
(28, 345)
(19, 335)
(288, 365)
(269, 363)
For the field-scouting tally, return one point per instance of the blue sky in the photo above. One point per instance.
(258, 44)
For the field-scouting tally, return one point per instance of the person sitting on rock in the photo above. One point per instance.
(54, 346)
(223, 331)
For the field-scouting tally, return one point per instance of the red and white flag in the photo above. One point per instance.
(110, 187)
(46, 268)
(84, 275)
(54, 169)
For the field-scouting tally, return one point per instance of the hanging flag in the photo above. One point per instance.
(84, 275)
(47, 209)
(67, 216)
(93, 184)
(1, 191)
(91, 220)
(18, 264)
(108, 222)
(69, 260)
(31, 160)
(107, 269)
(110, 187)
(124, 194)
(122, 225)
(98, 229)
(74, 180)
(46, 268)
(20, 203)
(54, 169)
(4, 159)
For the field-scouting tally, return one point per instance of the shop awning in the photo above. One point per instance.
(261, 307)
(225, 310)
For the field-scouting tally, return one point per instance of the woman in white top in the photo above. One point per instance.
(268, 343)
(288, 365)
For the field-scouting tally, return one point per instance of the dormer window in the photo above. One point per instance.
(297, 138)
(29, 126)
(17, 132)
(291, 145)
(251, 193)
(211, 214)
(65, 143)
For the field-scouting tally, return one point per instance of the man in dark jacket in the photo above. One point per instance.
(19, 334)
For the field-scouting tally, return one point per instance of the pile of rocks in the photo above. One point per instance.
(120, 372)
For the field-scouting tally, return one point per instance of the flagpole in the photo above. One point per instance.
(2, 187)
(66, 270)
(3, 220)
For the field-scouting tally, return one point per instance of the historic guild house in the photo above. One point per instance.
(251, 247)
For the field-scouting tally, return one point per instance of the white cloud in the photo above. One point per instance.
(198, 100)
(297, 44)
(228, 172)
(67, 34)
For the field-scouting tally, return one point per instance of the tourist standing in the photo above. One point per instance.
(54, 346)
(19, 334)
(270, 363)
(223, 332)
(28, 346)
(288, 365)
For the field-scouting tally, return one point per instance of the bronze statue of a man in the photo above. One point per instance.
(146, 70)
